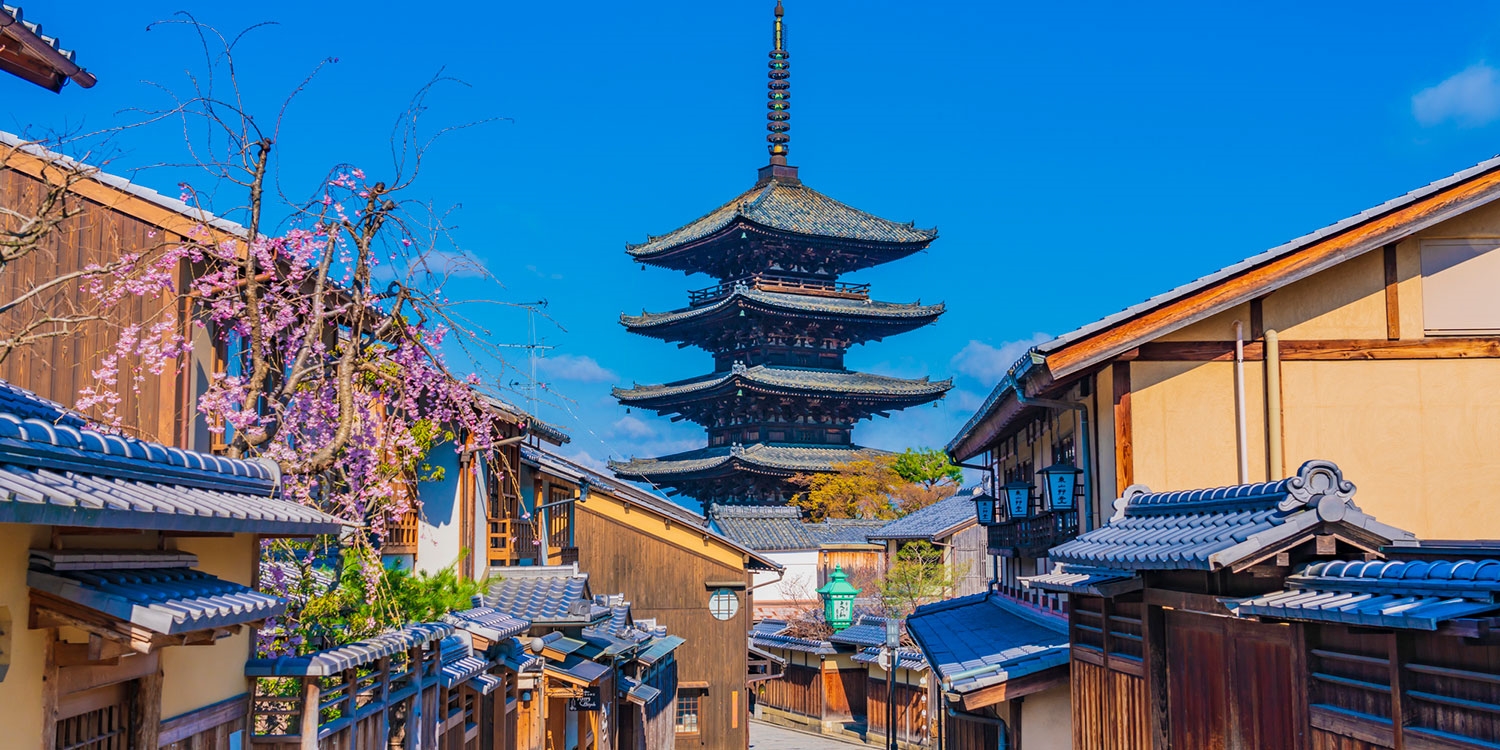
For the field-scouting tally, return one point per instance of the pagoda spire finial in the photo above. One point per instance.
(780, 94)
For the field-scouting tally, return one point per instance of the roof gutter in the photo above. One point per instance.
(47, 52)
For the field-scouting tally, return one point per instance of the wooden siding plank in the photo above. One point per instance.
(1124, 446)
(1392, 298)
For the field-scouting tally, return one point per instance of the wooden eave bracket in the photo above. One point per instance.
(1325, 540)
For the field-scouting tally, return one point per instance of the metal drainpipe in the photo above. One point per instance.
(1273, 405)
(966, 716)
(1242, 430)
(1086, 522)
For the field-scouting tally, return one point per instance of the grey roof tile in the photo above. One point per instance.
(774, 456)
(906, 658)
(764, 528)
(545, 595)
(1408, 594)
(52, 471)
(782, 303)
(775, 379)
(793, 208)
(488, 622)
(335, 660)
(937, 521)
(161, 598)
(1210, 528)
(763, 637)
(867, 630)
(981, 640)
(835, 531)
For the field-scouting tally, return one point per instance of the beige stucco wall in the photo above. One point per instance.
(21, 691)
(197, 676)
(1183, 424)
(1047, 720)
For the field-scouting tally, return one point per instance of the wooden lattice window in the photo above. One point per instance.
(99, 719)
(688, 703)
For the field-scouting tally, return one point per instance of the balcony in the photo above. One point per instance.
(1032, 537)
(786, 284)
(402, 534)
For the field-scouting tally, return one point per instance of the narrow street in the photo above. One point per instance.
(765, 736)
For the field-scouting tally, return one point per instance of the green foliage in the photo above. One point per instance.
(918, 575)
(926, 466)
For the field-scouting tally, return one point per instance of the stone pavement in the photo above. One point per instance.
(765, 736)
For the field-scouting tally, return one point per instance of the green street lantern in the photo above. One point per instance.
(838, 599)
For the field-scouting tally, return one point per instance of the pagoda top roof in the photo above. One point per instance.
(784, 204)
(792, 379)
(770, 457)
(793, 303)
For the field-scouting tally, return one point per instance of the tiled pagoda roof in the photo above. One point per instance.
(790, 304)
(789, 207)
(780, 380)
(770, 458)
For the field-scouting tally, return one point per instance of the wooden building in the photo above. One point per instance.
(679, 574)
(778, 322)
(950, 526)
(1276, 614)
(127, 598)
(1372, 342)
(806, 553)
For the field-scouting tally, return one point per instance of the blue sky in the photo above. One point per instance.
(1075, 160)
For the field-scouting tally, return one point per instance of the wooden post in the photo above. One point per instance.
(383, 695)
(312, 695)
(351, 681)
(1154, 627)
(1124, 450)
(49, 691)
(1014, 723)
(1399, 649)
(1392, 299)
(147, 709)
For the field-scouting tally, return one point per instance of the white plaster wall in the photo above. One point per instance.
(800, 583)
(438, 540)
(1047, 720)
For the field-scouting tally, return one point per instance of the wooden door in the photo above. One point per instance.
(97, 719)
(1230, 684)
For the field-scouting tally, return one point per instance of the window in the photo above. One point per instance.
(687, 711)
(1458, 277)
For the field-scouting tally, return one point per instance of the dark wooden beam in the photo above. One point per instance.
(1124, 447)
(1257, 319)
(1020, 687)
(1331, 350)
(1392, 299)
(1186, 601)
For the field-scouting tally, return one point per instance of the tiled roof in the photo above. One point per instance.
(459, 664)
(763, 636)
(977, 641)
(27, 405)
(788, 459)
(576, 669)
(638, 692)
(158, 591)
(906, 658)
(659, 647)
(777, 380)
(488, 622)
(834, 531)
(1411, 594)
(764, 528)
(1210, 529)
(545, 595)
(53, 472)
(562, 467)
(793, 208)
(349, 656)
(867, 630)
(784, 303)
(937, 521)
(534, 426)
(44, 48)
(1073, 579)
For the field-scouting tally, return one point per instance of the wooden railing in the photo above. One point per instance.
(772, 283)
(402, 535)
(1032, 537)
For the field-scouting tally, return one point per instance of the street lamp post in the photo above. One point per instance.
(892, 643)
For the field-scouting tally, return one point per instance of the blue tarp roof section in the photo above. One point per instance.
(335, 660)
(1212, 528)
(659, 648)
(867, 630)
(977, 641)
(166, 600)
(55, 472)
(941, 519)
(1407, 594)
(546, 595)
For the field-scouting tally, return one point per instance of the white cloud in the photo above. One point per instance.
(584, 458)
(628, 426)
(576, 367)
(543, 274)
(450, 263)
(1470, 98)
(988, 364)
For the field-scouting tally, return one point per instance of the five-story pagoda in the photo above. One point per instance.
(780, 400)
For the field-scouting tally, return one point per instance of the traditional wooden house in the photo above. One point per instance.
(837, 686)
(679, 574)
(129, 602)
(1367, 342)
(1280, 615)
(806, 552)
(28, 54)
(1000, 673)
(952, 527)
